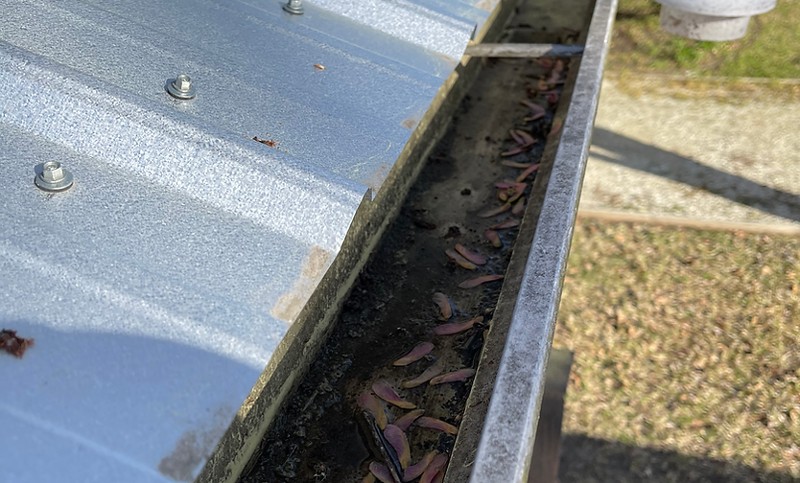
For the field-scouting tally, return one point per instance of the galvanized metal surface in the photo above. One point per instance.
(508, 434)
(525, 51)
(158, 286)
(437, 32)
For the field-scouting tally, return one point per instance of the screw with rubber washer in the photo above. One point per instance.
(295, 7)
(181, 87)
(54, 177)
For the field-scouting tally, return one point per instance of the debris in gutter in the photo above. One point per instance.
(268, 142)
(13, 344)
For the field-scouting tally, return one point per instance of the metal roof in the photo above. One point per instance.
(158, 286)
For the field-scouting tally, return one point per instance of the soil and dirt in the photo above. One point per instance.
(322, 434)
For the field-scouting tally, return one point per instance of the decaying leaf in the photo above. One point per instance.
(433, 469)
(385, 391)
(515, 135)
(537, 111)
(470, 255)
(373, 406)
(493, 237)
(474, 282)
(397, 438)
(460, 375)
(495, 211)
(528, 171)
(518, 190)
(437, 424)
(519, 207)
(445, 307)
(381, 472)
(510, 223)
(418, 352)
(457, 327)
(515, 150)
(428, 374)
(515, 164)
(527, 139)
(460, 261)
(505, 184)
(415, 471)
(404, 421)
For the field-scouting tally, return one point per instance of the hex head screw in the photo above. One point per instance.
(181, 87)
(52, 172)
(295, 7)
(54, 177)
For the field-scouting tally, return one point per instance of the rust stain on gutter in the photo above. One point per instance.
(195, 447)
(486, 5)
(288, 306)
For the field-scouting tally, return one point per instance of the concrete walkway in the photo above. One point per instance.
(696, 159)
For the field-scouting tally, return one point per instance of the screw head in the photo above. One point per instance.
(183, 83)
(52, 171)
(181, 87)
(53, 177)
(295, 7)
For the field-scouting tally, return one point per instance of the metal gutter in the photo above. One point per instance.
(506, 444)
(526, 51)
(304, 339)
(184, 258)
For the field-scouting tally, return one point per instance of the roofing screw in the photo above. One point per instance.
(53, 177)
(181, 87)
(295, 7)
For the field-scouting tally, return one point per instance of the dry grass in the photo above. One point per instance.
(687, 358)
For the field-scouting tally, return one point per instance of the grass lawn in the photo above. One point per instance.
(687, 355)
(771, 48)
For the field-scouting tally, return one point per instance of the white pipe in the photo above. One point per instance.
(717, 20)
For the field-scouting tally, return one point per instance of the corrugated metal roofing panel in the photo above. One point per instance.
(158, 286)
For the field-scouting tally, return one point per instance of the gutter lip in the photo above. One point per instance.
(509, 429)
